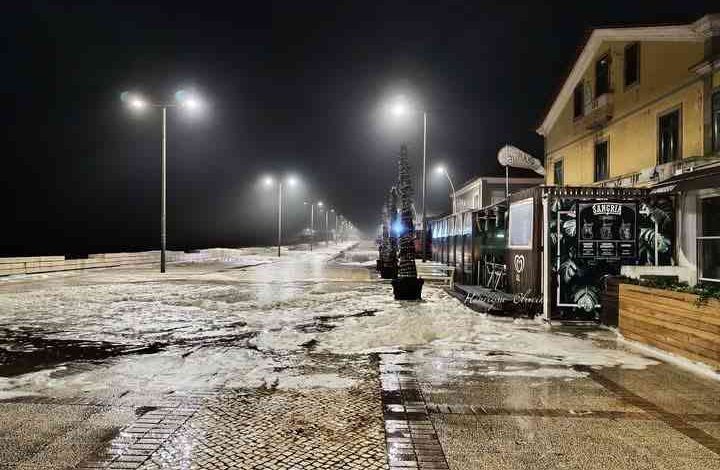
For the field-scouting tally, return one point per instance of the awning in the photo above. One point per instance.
(704, 178)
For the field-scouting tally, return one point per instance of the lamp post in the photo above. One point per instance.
(443, 170)
(400, 108)
(137, 103)
(320, 206)
(327, 227)
(269, 181)
(312, 219)
(335, 233)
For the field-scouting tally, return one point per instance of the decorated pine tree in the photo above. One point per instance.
(388, 255)
(385, 236)
(392, 201)
(406, 267)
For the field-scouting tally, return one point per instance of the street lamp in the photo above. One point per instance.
(399, 108)
(185, 100)
(312, 219)
(327, 226)
(443, 170)
(335, 232)
(269, 181)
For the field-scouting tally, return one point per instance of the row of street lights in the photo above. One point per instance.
(188, 101)
(191, 102)
(269, 181)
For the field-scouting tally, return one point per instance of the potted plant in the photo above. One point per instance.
(407, 286)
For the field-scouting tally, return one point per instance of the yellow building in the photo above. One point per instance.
(641, 107)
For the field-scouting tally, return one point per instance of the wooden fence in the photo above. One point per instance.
(671, 321)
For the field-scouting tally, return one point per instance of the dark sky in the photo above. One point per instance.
(291, 87)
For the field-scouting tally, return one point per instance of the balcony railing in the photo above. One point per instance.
(622, 181)
(598, 112)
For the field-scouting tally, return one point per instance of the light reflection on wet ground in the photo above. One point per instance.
(285, 346)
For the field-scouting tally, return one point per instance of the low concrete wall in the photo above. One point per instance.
(671, 321)
(46, 264)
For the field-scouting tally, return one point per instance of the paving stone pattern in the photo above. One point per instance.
(283, 429)
(137, 442)
(267, 428)
(411, 439)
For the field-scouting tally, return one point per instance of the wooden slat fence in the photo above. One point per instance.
(671, 321)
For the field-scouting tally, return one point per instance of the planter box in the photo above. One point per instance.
(671, 321)
(609, 311)
(407, 288)
(388, 272)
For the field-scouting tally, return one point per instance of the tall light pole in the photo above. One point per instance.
(335, 233)
(327, 227)
(444, 171)
(320, 206)
(269, 181)
(138, 103)
(401, 108)
(312, 221)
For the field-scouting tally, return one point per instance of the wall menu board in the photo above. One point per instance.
(607, 229)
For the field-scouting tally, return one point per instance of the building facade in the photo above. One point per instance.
(641, 108)
(486, 191)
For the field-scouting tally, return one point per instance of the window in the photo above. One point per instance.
(602, 76)
(632, 64)
(716, 122)
(558, 173)
(601, 161)
(669, 137)
(710, 220)
(520, 223)
(579, 100)
(709, 241)
(497, 195)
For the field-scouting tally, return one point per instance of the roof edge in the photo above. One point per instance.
(708, 25)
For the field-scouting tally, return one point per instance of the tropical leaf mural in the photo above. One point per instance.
(587, 297)
(660, 211)
(657, 212)
(570, 227)
(646, 245)
(580, 280)
(568, 270)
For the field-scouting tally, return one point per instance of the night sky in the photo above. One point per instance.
(292, 87)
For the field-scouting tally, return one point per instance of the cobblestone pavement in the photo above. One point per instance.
(280, 430)
(261, 429)
(661, 417)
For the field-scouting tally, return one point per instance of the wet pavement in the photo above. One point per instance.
(307, 362)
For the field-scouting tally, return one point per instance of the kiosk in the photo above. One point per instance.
(548, 250)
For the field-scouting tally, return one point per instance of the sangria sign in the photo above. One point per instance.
(607, 229)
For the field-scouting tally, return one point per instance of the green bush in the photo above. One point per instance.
(704, 291)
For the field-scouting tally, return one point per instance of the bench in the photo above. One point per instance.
(431, 271)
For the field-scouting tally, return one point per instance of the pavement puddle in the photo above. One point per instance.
(24, 351)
